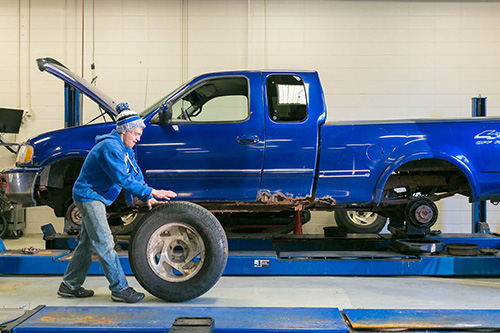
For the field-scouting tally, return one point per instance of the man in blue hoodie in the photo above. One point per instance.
(109, 168)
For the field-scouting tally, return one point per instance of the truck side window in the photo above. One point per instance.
(216, 100)
(286, 98)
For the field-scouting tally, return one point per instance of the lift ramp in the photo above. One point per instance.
(249, 319)
(161, 319)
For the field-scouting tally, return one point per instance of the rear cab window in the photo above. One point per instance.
(286, 98)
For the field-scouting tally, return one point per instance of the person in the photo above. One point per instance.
(109, 167)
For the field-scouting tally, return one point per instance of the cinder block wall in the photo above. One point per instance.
(377, 59)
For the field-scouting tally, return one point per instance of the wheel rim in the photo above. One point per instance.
(127, 219)
(176, 252)
(362, 218)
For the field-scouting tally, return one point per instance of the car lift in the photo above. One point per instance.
(360, 255)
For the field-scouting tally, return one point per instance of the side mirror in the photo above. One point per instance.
(166, 113)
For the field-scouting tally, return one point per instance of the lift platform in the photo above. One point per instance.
(246, 319)
(361, 255)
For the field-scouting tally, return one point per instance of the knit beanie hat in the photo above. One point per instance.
(127, 119)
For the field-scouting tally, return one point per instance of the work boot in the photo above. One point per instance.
(64, 291)
(127, 295)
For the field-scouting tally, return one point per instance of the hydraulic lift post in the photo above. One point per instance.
(72, 106)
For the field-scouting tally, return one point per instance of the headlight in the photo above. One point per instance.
(25, 154)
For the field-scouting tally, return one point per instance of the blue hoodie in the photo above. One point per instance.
(107, 170)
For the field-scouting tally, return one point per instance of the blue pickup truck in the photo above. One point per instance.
(257, 141)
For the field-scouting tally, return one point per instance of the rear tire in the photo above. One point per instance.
(178, 251)
(360, 222)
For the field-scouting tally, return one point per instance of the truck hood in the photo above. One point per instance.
(60, 71)
(55, 145)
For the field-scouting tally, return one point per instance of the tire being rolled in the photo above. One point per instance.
(178, 251)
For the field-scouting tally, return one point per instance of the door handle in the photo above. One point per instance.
(247, 139)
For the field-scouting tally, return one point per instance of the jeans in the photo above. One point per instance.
(94, 234)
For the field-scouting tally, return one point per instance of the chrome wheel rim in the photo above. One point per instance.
(127, 219)
(362, 218)
(176, 252)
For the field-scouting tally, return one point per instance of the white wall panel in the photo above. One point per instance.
(377, 59)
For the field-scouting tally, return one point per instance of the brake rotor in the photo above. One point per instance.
(421, 213)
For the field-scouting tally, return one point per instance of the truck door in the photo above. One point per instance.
(213, 149)
(294, 112)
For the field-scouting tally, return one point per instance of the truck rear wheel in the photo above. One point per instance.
(360, 222)
(178, 251)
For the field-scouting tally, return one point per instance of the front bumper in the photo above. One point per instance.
(20, 185)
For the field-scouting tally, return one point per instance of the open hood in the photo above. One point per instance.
(60, 71)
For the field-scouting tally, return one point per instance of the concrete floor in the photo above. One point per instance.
(27, 292)
(336, 292)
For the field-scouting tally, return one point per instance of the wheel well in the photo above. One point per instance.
(427, 176)
(56, 184)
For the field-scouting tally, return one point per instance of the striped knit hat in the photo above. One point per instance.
(127, 119)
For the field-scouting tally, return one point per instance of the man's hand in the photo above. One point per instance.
(160, 194)
(153, 202)
(163, 194)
